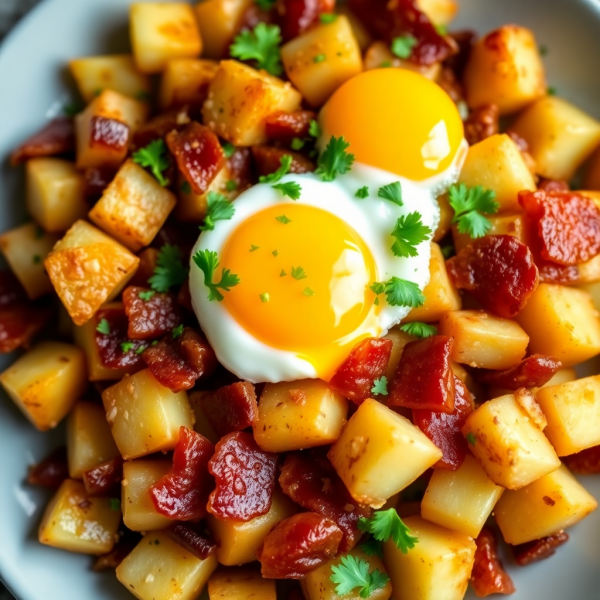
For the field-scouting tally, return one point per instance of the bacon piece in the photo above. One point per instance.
(423, 377)
(559, 274)
(149, 319)
(450, 83)
(193, 540)
(109, 562)
(56, 137)
(240, 169)
(96, 180)
(158, 127)
(105, 478)
(268, 160)
(532, 552)
(553, 185)
(109, 133)
(182, 493)
(488, 575)
(296, 16)
(482, 123)
(50, 471)
(298, 545)
(19, 324)
(498, 271)
(586, 462)
(284, 126)
(245, 477)
(464, 40)
(310, 480)
(11, 290)
(533, 371)
(184, 296)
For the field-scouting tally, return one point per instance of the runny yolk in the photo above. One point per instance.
(304, 285)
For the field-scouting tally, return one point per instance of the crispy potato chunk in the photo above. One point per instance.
(439, 12)
(240, 584)
(186, 81)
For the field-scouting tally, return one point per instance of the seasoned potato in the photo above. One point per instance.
(562, 376)
(87, 268)
(508, 444)
(186, 81)
(507, 224)
(25, 248)
(379, 453)
(505, 68)
(379, 55)
(54, 195)
(299, 414)
(440, 12)
(77, 523)
(239, 100)
(240, 584)
(562, 322)
(46, 382)
(437, 568)
(158, 567)
(191, 207)
(544, 507)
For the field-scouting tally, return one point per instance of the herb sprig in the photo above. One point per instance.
(399, 292)
(353, 573)
(154, 156)
(261, 45)
(218, 208)
(469, 205)
(409, 233)
(335, 160)
(169, 271)
(207, 262)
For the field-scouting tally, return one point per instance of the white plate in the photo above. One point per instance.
(32, 88)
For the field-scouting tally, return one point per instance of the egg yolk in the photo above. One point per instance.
(304, 283)
(396, 120)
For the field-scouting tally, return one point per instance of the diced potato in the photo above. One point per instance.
(560, 136)
(54, 196)
(380, 453)
(46, 382)
(379, 55)
(162, 31)
(115, 72)
(77, 523)
(239, 100)
(589, 271)
(483, 340)
(544, 507)
(139, 476)
(87, 268)
(399, 340)
(446, 216)
(158, 567)
(89, 441)
(440, 294)
(285, 424)
(25, 248)
(561, 322)
(361, 33)
(507, 224)
(562, 376)
(186, 81)
(191, 207)
(240, 584)
(144, 416)
(439, 12)
(320, 60)
(238, 541)
(496, 163)
(505, 68)
(461, 500)
(437, 568)
(508, 444)
(202, 425)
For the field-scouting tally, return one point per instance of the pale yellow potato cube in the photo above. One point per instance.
(589, 271)
(240, 584)
(544, 507)
(399, 340)
(561, 322)
(446, 216)
(299, 414)
(88, 268)
(560, 136)
(159, 568)
(439, 12)
(77, 523)
(186, 81)
(239, 100)
(46, 382)
(461, 500)
(508, 444)
(139, 513)
(505, 68)
(55, 193)
(380, 453)
(561, 376)
(379, 55)
(437, 568)
(25, 248)
(508, 224)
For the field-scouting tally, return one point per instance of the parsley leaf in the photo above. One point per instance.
(275, 253)
(169, 271)
(231, 185)
(327, 18)
(354, 573)
(127, 347)
(298, 273)
(386, 524)
(409, 233)
(314, 129)
(380, 386)
(402, 46)
(319, 58)
(177, 331)
(218, 208)
(154, 156)
(228, 149)
(400, 292)
(185, 187)
(145, 296)
(73, 109)
(442, 29)
(283, 273)
(261, 45)
(363, 192)
(392, 192)
(471, 438)
(285, 162)
(265, 4)
(308, 292)
(208, 262)
(418, 329)
(264, 297)
(283, 219)
(254, 248)
(115, 504)
(372, 547)
(297, 144)
(334, 160)
(103, 327)
(290, 189)
(468, 204)
(448, 251)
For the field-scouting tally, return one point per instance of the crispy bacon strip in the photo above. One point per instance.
(488, 575)
(532, 552)
(533, 371)
(56, 137)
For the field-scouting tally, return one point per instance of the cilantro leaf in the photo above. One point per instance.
(402, 46)
(231, 185)
(468, 205)
(286, 162)
(308, 292)
(127, 347)
(154, 156)
(334, 160)
(115, 504)
(372, 547)
(363, 192)
(441, 29)
(392, 192)
(319, 58)
(380, 386)
(471, 438)
(386, 524)
(208, 263)
(399, 292)
(169, 271)
(103, 327)
(261, 45)
(265, 4)
(298, 273)
(218, 208)
(314, 129)
(254, 248)
(283, 219)
(177, 331)
(297, 144)
(283, 273)
(264, 297)
(448, 251)
(185, 187)
(73, 109)
(327, 18)
(145, 296)
(228, 149)
(409, 233)
(418, 329)
(354, 573)
(290, 189)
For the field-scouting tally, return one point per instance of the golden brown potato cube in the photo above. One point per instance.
(439, 12)
(89, 440)
(239, 100)
(508, 224)
(87, 268)
(379, 55)
(162, 31)
(380, 453)
(116, 72)
(186, 81)
(55, 197)
(159, 568)
(299, 414)
(25, 248)
(561, 322)
(496, 163)
(505, 68)
(46, 382)
(139, 513)
(320, 60)
(437, 568)
(240, 584)
(560, 136)
(508, 444)
(544, 507)
(77, 523)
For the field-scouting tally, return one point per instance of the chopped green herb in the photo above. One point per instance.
(402, 46)
(384, 525)
(468, 205)
(290, 189)
(231, 185)
(391, 192)
(283, 219)
(335, 160)
(39, 233)
(177, 331)
(115, 504)
(409, 233)
(552, 91)
(372, 547)
(218, 208)
(154, 156)
(386, 64)
(208, 263)
(127, 347)
(298, 273)
(441, 29)
(185, 187)
(254, 248)
(154, 343)
(265, 4)
(264, 297)
(98, 91)
(543, 50)
(228, 149)
(169, 271)
(448, 251)
(73, 109)
(327, 18)
(353, 573)
(399, 292)
(103, 327)
(260, 45)
(283, 273)
(314, 129)
(380, 386)
(275, 253)
(297, 144)
(286, 162)
(308, 292)
(143, 96)
(145, 296)
(471, 438)
(37, 259)
(418, 329)
(319, 58)
(140, 350)
(363, 192)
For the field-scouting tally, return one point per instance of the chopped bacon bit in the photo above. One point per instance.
(464, 40)
(56, 137)
(310, 480)
(586, 462)
(245, 477)
(498, 271)
(110, 561)
(96, 180)
(184, 296)
(19, 324)
(109, 133)
(297, 545)
(51, 471)
(158, 127)
(253, 15)
(532, 552)
(149, 319)
(105, 478)
(367, 362)
(298, 397)
(193, 540)
(148, 261)
(488, 575)
(182, 493)
(11, 290)
(268, 160)
(283, 127)
(553, 185)
(296, 16)
(533, 371)
(240, 169)
(551, 273)
(482, 123)
(424, 377)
